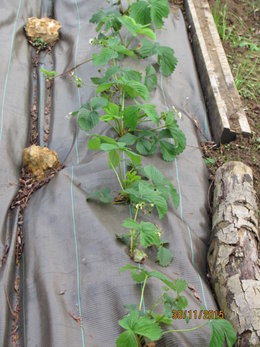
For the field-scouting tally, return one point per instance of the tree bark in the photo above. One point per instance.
(233, 256)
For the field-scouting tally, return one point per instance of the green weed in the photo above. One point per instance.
(247, 85)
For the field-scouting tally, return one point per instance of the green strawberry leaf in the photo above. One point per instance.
(103, 195)
(150, 78)
(135, 28)
(166, 60)
(127, 339)
(149, 234)
(128, 139)
(98, 103)
(131, 115)
(104, 56)
(147, 327)
(87, 119)
(159, 10)
(140, 11)
(150, 111)
(94, 143)
(148, 48)
(164, 256)
(222, 330)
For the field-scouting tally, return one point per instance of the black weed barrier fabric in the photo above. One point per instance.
(67, 289)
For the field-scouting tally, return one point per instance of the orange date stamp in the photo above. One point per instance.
(197, 314)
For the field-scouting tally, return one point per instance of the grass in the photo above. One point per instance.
(244, 75)
(245, 72)
(220, 18)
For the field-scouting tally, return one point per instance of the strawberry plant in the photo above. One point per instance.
(138, 129)
(143, 326)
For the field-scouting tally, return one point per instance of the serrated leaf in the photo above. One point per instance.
(159, 10)
(104, 56)
(138, 276)
(150, 78)
(135, 28)
(180, 285)
(141, 12)
(180, 302)
(174, 195)
(222, 329)
(87, 119)
(135, 158)
(153, 174)
(150, 111)
(149, 234)
(112, 109)
(114, 43)
(128, 267)
(103, 87)
(98, 102)
(104, 195)
(148, 328)
(94, 143)
(160, 318)
(146, 143)
(168, 150)
(107, 17)
(130, 224)
(113, 158)
(166, 60)
(130, 74)
(179, 140)
(127, 339)
(151, 195)
(129, 321)
(131, 117)
(108, 74)
(128, 139)
(134, 89)
(177, 285)
(164, 256)
(148, 48)
(108, 147)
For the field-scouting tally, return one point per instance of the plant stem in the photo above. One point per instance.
(132, 241)
(117, 176)
(185, 330)
(129, 42)
(73, 68)
(142, 294)
(121, 39)
(120, 170)
(123, 107)
(156, 303)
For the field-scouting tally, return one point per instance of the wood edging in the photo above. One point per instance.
(225, 111)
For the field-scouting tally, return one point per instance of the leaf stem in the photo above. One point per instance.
(117, 176)
(123, 107)
(132, 241)
(156, 303)
(185, 330)
(142, 294)
(121, 39)
(73, 68)
(129, 42)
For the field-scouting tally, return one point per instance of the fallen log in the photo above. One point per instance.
(233, 255)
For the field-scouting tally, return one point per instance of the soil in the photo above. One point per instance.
(243, 23)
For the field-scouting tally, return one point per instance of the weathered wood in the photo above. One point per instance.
(233, 258)
(225, 110)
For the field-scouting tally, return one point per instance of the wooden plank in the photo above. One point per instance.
(225, 111)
